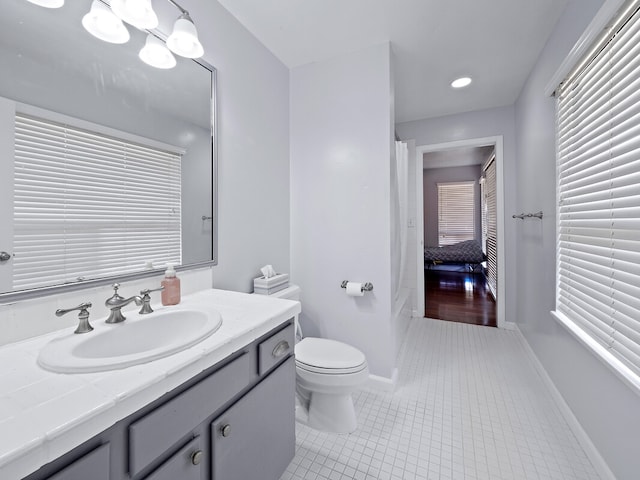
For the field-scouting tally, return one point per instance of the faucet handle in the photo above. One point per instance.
(83, 316)
(146, 299)
(147, 291)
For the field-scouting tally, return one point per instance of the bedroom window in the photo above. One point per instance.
(61, 204)
(490, 223)
(456, 212)
(598, 243)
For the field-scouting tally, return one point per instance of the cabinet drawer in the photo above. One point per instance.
(187, 464)
(275, 349)
(94, 465)
(161, 429)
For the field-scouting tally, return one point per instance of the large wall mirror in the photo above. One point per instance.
(52, 68)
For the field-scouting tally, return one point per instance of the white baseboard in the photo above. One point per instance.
(590, 449)
(510, 326)
(383, 383)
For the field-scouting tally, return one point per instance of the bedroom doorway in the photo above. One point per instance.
(459, 212)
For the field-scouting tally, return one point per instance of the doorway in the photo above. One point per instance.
(459, 291)
(459, 296)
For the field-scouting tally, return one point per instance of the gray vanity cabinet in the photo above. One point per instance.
(93, 465)
(187, 464)
(233, 421)
(162, 429)
(255, 438)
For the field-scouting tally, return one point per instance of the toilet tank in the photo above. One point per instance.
(292, 292)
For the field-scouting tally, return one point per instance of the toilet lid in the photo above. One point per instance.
(322, 353)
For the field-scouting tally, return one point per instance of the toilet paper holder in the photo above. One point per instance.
(366, 287)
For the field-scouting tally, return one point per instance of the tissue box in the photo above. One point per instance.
(267, 286)
(269, 291)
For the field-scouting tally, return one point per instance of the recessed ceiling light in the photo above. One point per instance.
(461, 82)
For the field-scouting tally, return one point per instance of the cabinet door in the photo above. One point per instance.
(187, 464)
(94, 465)
(255, 438)
(159, 431)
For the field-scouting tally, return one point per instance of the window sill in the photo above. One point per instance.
(622, 371)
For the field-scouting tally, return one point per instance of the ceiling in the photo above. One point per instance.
(434, 41)
(457, 157)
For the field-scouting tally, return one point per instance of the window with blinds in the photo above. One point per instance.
(456, 212)
(598, 250)
(87, 205)
(490, 224)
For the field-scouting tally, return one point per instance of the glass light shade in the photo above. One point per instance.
(138, 13)
(48, 3)
(156, 53)
(183, 40)
(461, 82)
(102, 23)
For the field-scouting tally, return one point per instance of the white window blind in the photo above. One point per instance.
(456, 212)
(598, 251)
(490, 224)
(87, 205)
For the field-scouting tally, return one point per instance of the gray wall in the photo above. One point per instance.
(433, 176)
(341, 136)
(606, 408)
(253, 148)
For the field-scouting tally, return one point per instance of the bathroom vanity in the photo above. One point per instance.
(221, 409)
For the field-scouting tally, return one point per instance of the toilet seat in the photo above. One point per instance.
(330, 371)
(329, 357)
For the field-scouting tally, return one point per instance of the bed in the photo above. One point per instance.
(468, 253)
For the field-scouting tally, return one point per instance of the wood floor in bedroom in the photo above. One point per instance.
(459, 297)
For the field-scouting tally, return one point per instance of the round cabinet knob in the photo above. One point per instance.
(225, 430)
(4, 256)
(196, 457)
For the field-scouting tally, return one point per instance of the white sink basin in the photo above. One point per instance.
(139, 339)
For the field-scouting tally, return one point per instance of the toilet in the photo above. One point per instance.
(327, 372)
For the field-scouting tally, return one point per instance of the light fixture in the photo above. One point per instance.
(138, 13)
(156, 53)
(461, 82)
(183, 40)
(102, 23)
(48, 3)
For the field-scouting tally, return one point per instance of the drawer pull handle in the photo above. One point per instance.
(225, 430)
(196, 457)
(280, 349)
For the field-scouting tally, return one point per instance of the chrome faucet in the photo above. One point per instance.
(83, 325)
(116, 302)
(146, 299)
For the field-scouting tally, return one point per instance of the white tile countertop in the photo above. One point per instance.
(44, 414)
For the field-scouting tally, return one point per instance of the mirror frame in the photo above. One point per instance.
(12, 297)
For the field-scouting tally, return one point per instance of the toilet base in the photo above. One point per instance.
(332, 413)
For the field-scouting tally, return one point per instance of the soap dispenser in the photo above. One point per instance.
(170, 294)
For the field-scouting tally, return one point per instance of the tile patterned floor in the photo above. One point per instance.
(468, 405)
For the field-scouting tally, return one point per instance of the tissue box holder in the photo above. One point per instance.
(267, 286)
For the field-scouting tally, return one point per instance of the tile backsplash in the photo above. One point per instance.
(29, 318)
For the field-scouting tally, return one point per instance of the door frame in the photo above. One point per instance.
(497, 141)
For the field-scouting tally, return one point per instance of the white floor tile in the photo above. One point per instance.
(468, 405)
